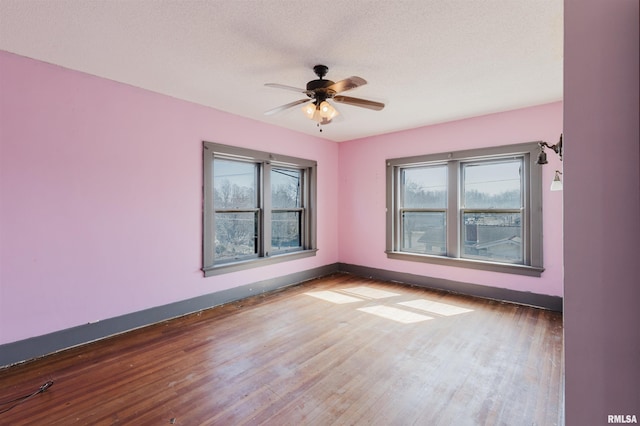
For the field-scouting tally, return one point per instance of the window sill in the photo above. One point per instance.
(226, 268)
(531, 271)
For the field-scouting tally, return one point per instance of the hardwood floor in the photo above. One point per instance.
(339, 350)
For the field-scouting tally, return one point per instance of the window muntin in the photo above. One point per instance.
(258, 208)
(491, 218)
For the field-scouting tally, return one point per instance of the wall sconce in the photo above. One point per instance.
(556, 185)
(557, 148)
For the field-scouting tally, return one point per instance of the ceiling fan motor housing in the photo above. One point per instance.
(319, 89)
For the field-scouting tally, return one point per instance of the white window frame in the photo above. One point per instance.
(532, 264)
(265, 161)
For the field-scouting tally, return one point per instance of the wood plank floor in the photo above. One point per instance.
(339, 350)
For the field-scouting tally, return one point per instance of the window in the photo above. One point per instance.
(423, 209)
(491, 210)
(478, 209)
(258, 208)
(287, 211)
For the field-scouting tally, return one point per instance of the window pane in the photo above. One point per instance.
(236, 235)
(285, 188)
(234, 185)
(492, 185)
(424, 232)
(285, 230)
(493, 236)
(424, 187)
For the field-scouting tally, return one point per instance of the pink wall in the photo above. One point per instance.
(362, 192)
(93, 226)
(602, 210)
(100, 197)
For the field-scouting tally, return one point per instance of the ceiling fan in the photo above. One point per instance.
(319, 91)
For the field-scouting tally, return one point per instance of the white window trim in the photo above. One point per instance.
(532, 229)
(264, 257)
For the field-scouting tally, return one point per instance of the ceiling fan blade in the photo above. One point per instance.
(285, 87)
(347, 84)
(286, 106)
(364, 103)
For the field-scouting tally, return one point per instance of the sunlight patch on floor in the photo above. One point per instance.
(370, 293)
(443, 309)
(398, 314)
(333, 297)
(395, 314)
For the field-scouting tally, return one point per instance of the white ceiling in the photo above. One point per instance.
(430, 61)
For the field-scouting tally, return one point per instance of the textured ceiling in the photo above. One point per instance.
(430, 61)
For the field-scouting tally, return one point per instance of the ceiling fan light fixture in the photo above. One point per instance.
(322, 113)
(319, 91)
(309, 110)
(327, 111)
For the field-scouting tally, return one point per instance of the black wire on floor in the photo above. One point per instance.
(19, 400)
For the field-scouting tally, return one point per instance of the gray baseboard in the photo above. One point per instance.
(553, 303)
(36, 347)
